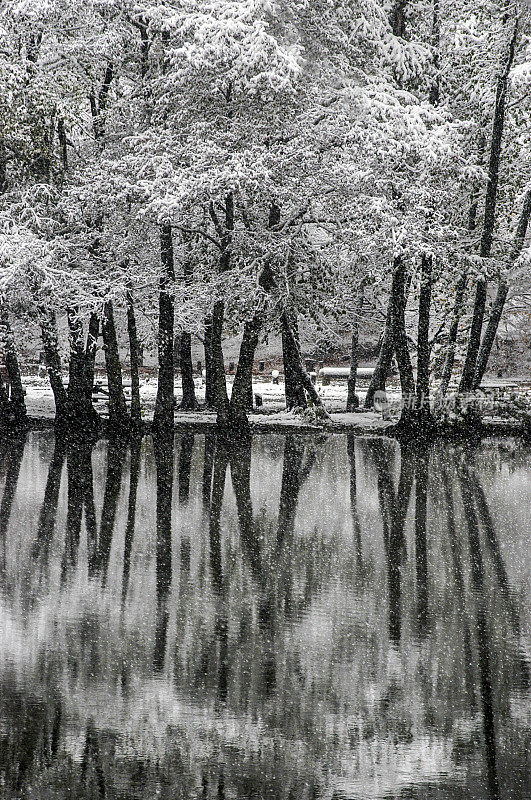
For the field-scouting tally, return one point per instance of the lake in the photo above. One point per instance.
(308, 617)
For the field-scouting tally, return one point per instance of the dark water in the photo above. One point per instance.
(308, 618)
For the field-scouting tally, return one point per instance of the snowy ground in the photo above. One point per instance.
(40, 403)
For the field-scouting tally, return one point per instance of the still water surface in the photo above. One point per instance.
(331, 617)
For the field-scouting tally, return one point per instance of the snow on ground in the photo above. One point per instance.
(40, 403)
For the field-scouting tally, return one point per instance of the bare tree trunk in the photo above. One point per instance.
(469, 367)
(118, 416)
(423, 341)
(352, 399)
(210, 394)
(90, 352)
(385, 356)
(165, 400)
(17, 403)
(501, 295)
(407, 381)
(134, 361)
(242, 388)
(188, 403)
(53, 364)
(302, 390)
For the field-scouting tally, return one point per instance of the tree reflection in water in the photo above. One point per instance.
(302, 618)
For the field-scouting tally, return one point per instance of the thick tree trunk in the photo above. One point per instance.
(469, 367)
(231, 420)
(53, 363)
(118, 417)
(423, 342)
(188, 403)
(352, 398)
(242, 388)
(165, 400)
(385, 356)
(17, 404)
(407, 380)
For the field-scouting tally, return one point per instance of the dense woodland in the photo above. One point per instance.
(216, 167)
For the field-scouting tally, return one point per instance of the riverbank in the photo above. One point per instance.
(271, 416)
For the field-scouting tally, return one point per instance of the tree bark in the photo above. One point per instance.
(134, 361)
(407, 380)
(165, 400)
(242, 388)
(17, 404)
(423, 342)
(210, 394)
(501, 296)
(352, 398)
(385, 356)
(118, 416)
(188, 403)
(469, 367)
(53, 363)
(90, 352)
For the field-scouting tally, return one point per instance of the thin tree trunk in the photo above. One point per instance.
(460, 290)
(90, 352)
(407, 380)
(134, 361)
(165, 400)
(501, 295)
(118, 416)
(423, 342)
(301, 385)
(469, 367)
(17, 403)
(352, 399)
(210, 393)
(385, 356)
(188, 403)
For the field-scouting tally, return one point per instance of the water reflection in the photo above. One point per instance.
(293, 618)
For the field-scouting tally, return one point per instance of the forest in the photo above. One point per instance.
(212, 168)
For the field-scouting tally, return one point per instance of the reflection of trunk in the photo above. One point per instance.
(165, 400)
(298, 463)
(46, 526)
(396, 544)
(356, 527)
(240, 469)
(469, 367)
(485, 674)
(163, 445)
(118, 416)
(421, 552)
(188, 403)
(17, 404)
(80, 486)
(16, 451)
(460, 587)
(185, 465)
(134, 473)
(92, 758)
(383, 365)
(208, 465)
(113, 482)
(134, 360)
(352, 399)
(501, 295)
(214, 528)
